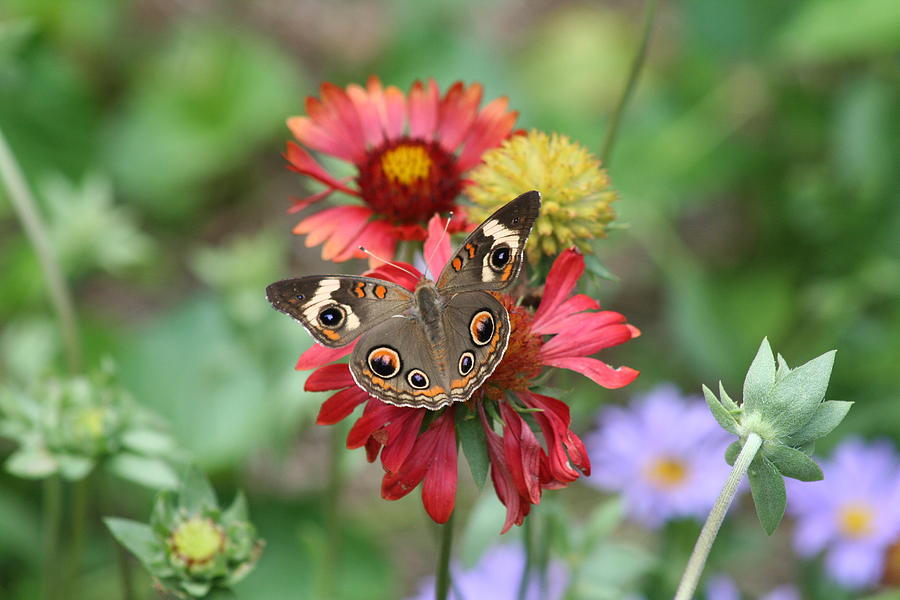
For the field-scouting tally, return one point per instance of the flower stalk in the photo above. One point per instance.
(52, 516)
(36, 230)
(442, 582)
(636, 65)
(714, 521)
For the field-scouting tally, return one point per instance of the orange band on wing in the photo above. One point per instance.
(359, 289)
(471, 250)
(457, 263)
(331, 334)
(380, 291)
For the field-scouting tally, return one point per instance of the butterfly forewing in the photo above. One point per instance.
(491, 257)
(336, 309)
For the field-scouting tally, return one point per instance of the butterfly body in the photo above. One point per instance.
(435, 345)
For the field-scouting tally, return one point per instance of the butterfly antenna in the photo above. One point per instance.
(436, 246)
(387, 262)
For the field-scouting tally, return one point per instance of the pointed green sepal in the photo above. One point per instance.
(796, 396)
(474, 445)
(720, 413)
(196, 493)
(767, 488)
(828, 415)
(137, 537)
(727, 402)
(793, 463)
(731, 453)
(760, 377)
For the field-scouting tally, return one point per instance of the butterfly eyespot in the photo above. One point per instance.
(384, 361)
(417, 379)
(332, 316)
(500, 257)
(466, 363)
(515, 221)
(481, 327)
(300, 297)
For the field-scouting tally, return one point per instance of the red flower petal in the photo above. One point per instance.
(523, 454)
(561, 280)
(457, 113)
(344, 119)
(314, 133)
(368, 114)
(439, 487)
(402, 440)
(391, 106)
(437, 246)
(391, 273)
(559, 319)
(299, 204)
(376, 415)
(587, 339)
(329, 377)
(423, 110)
(516, 508)
(346, 236)
(302, 162)
(323, 224)
(491, 127)
(340, 405)
(318, 355)
(599, 372)
(564, 448)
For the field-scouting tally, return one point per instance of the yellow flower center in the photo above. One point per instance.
(855, 520)
(666, 472)
(89, 423)
(197, 540)
(406, 164)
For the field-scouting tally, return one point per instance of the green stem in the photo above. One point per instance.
(79, 504)
(331, 509)
(442, 582)
(711, 528)
(636, 64)
(36, 230)
(52, 517)
(126, 576)
(528, 540)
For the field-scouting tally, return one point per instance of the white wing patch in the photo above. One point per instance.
(500, 235)
(321, 298)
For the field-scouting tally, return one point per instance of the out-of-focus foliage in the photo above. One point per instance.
(756, 182)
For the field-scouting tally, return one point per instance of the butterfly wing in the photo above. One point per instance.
(336, 309)
(491, 257)
(398, 363)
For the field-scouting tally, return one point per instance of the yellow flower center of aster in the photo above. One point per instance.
(197, 540)
(406, 164)
(666, 472)
(855, 520)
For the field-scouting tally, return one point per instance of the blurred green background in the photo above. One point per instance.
(755, 179)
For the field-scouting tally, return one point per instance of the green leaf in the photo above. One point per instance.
(719, 412)
(148, 441)
(760, 377)
(828, 415)
(767, 488)
(196, 493)
(153, 473)
(795, 398)
(137, 537)
(731, 453)
(793, 463)
(31, 463)
(474, 445)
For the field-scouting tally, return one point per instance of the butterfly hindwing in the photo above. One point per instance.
(491, 257)
(336, 309)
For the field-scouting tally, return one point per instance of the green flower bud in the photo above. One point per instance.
(787, 409)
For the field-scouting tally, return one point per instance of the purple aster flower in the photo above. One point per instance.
(664, 454)
(853, 514)
(497, 576)
(722, 587)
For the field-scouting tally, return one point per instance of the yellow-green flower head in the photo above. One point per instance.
(576, 197)
(196, 542)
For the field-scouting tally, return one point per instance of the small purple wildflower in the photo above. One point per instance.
(853, 514)
(664, 454)
(722, 587)
(497, 576)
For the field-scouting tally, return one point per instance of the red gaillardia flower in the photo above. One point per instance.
(410, 153)
(420, 446)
